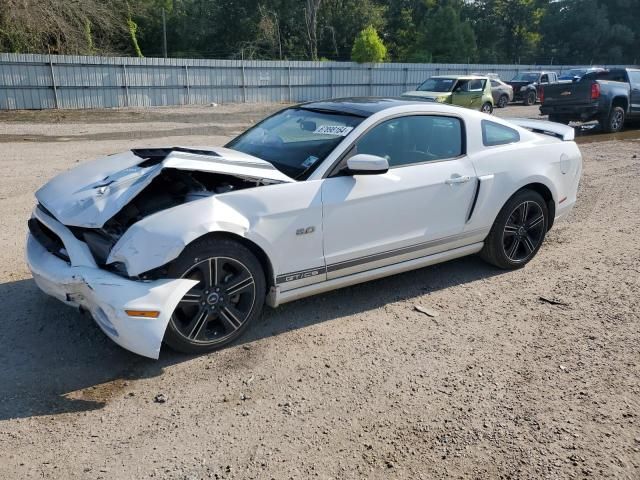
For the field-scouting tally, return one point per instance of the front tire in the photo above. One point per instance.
(518, 231)
(229, 296)
(614, 122)
(530, 98)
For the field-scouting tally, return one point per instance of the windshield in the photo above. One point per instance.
(296, 140)
(575, 72)
(437, 85)
(525, 77)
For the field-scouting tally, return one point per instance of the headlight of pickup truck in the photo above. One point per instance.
(522, 89)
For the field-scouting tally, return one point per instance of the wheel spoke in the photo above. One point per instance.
(240, 285)
(230, 318)
(198, 321)
(510, 230)
(536, 221)
(514, 248)
(526, 241)
(524, 212)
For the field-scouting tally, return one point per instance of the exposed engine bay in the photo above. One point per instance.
(170, 188)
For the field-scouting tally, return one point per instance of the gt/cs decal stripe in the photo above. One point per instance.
(302, 274)
(293, 276)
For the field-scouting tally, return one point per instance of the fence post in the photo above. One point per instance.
(289, 82)
(331, 81)
(244, 85)
(186, 75)
(371, 81)
(125, 80)
(53, 83)
(406, 79)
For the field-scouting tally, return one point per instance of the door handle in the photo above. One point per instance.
(455, 179)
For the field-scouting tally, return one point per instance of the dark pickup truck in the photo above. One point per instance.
(610, 96)
(527, 85)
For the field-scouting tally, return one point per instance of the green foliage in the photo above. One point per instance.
(486, 31)
(368, 47)
(443, 37)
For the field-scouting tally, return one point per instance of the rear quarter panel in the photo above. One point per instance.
(505, 169)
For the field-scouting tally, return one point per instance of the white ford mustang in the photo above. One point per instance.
(185, 245)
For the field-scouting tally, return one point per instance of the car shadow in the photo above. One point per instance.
(55, 360)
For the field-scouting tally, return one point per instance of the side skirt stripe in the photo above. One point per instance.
(290, 277)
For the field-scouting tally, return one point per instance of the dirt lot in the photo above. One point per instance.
(351, 384)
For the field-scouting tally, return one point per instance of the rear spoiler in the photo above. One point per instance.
(554, 129)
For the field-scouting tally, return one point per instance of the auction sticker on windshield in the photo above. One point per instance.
(338, 130)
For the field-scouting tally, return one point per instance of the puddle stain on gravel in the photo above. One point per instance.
(593, 134)
(100, 393)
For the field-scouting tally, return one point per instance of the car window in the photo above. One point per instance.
(634, 77)
(437, 85)
(496, 134)
(616, 76)
(544, 79)
(296, 140)
(413, 139)
(494, 83)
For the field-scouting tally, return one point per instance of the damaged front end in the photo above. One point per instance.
(100, 203)
(88, 223)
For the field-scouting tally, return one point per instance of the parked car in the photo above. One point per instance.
(468, 91)
(611, 97)
(185, 245)
(526, 85)
(576, 74)
(502, 93)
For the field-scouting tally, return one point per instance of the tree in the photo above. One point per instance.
(368, 47)
(443, 37)
(311, 19)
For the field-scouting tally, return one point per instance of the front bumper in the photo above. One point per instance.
(81, 283)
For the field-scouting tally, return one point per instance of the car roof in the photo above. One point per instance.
(362, 106)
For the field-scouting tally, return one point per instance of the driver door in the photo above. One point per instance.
(469, 94)
(419, 207)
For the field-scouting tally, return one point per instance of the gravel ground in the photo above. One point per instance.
(351, 384)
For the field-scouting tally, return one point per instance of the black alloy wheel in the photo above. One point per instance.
(518, 231)
(524, 231)
(229, 294)
(503, 101)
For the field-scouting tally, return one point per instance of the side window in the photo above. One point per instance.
(544, 78)
(494, 83)
(414, 139)
(496, 134)
(634, 77)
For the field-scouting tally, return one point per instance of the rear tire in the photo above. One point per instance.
(614, 122)
(229, 296)
(518, 231)
(503, 101)
(487, 108)
(530, 98)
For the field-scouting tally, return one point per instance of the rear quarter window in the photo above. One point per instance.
(496, 134)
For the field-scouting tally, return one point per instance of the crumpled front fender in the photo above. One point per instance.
(161, 237)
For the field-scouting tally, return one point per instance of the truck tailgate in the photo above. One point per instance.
(567, 93)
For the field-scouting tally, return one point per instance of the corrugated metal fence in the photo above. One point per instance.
(52, 81)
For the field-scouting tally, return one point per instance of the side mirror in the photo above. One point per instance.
(363, 164)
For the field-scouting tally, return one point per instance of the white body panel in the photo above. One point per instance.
(319, 234)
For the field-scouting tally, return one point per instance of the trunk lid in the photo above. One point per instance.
(89, 195)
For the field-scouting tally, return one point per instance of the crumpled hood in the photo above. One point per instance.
(90, 194)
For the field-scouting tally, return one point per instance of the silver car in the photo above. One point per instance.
(502, 93)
